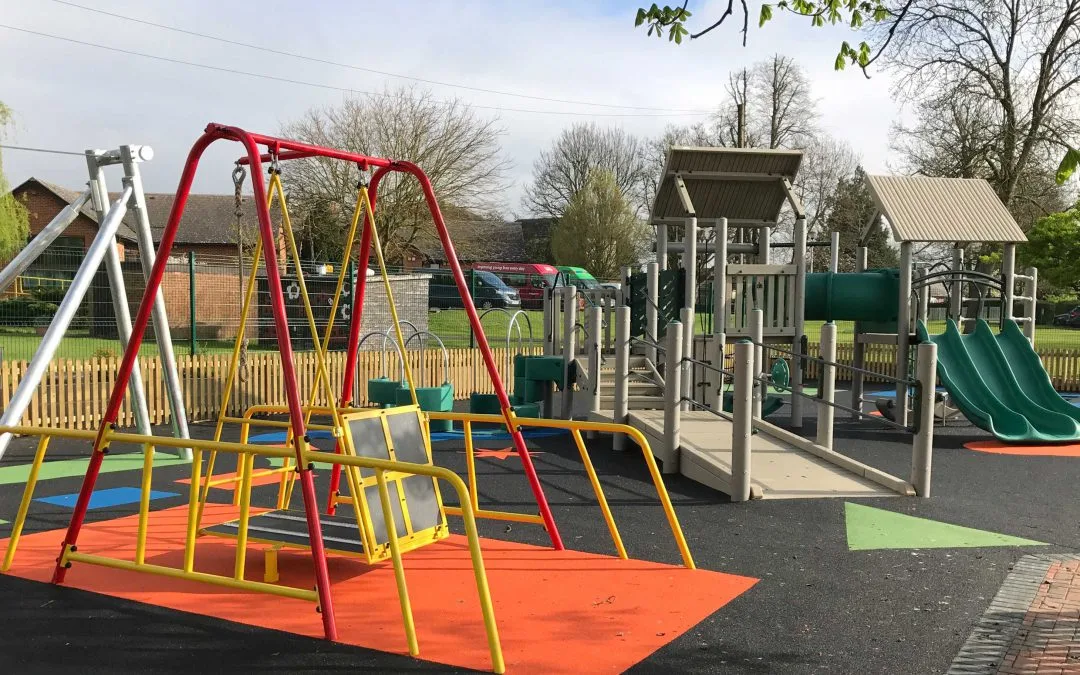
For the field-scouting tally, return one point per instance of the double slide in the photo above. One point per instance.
(999, 384)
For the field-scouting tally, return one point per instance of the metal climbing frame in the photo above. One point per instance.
(102, 250)
(257, 149)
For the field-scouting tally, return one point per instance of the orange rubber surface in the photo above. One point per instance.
(999, 448)
(556, 611)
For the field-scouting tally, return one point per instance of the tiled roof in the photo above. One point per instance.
(475, 241)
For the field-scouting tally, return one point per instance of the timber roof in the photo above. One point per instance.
(923, 209)
(735, 183)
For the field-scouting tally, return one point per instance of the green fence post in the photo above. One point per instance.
(191, 301)
(472, 294)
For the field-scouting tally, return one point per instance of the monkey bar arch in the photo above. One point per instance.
(278, 149)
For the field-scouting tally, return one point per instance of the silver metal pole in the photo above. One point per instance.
(757, 336)
(131, 156)
(903, 329)
(118, 289)
(1008, 270)
(956, 292)
(36, 246)
(661, 246)
(686, 316)
(721, 299)
(922, 453)
(569, 348)
(652, 290)
(800, 319)
(828, 386)
(742, 421)
(858, 349)
(104, 241)
(672, 402)
(621, 403)
(834, 252)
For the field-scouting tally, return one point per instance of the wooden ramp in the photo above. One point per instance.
(778, 469)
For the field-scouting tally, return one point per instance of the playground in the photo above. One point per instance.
(636, 487)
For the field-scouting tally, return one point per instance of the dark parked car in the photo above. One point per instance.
(487, 290)
(1070, 318)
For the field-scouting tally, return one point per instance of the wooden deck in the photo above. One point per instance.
(778, 470)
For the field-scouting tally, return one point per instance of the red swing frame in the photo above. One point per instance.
(283, 150)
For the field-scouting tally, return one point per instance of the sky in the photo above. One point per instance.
(71, 97)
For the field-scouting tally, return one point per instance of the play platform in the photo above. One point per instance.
(780, 469)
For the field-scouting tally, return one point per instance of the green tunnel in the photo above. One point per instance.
(853, 296)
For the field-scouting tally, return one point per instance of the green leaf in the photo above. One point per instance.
(676, 34)
(841, 61)
(766, 14)
(856, 19)
(1068, 166)
(640, 18)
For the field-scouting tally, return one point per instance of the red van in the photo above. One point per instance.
(529, 279)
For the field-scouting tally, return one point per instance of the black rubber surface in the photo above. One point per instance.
(818, 607)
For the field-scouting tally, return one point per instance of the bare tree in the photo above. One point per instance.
(779, 106)
(562, 171)
(457, 149)
(1001, 75)
(599, 229)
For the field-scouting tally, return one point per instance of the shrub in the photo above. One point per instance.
(25, 312)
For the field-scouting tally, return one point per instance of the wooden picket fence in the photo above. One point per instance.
(74, 392)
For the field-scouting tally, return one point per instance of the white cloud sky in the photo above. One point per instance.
(72, 97)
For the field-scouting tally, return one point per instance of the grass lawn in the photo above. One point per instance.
(449, 324)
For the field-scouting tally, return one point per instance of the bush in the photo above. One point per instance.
(53, 294)
(25, 312)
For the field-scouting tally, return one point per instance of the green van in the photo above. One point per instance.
(579, 277)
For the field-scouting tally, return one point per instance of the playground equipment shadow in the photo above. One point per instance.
(818, 607)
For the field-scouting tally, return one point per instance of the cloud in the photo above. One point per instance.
(72, 97)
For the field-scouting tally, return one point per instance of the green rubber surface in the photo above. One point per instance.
(66, 468)
(1000, 385)
(871, 529)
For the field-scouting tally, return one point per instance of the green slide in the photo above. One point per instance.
(999, 384)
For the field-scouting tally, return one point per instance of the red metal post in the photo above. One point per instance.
(485, 350)
(212, 133)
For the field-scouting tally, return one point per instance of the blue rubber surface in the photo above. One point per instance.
(479, 434)
(103, 499)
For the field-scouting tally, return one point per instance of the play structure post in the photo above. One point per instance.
(956, 290)
(1031, 286)
(858, 348)
(690, 260)
(595, 352)
(672, 399)
(661, 246)
(742, 421)
(686, 318)
(903, 332)
(924, 298)
(36, 246)
(721, 299)
(764, 249)
(652, 290)
(922, 454)
(827, 394)
(800, 314)
(105, 239)
(834, 251)
(130, 156)
(621, 404)
(1008, 282)
(757, 335)
(569, 347)
(549, 321)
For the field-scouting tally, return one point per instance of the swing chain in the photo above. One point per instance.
(238, 175)
(362, 181)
